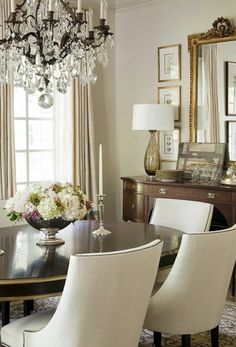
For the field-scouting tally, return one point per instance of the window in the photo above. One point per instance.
(34, 140)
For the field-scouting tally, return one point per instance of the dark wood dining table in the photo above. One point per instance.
(28, 271)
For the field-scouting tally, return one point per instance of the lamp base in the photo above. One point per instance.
(152, 156)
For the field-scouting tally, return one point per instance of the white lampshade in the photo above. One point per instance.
(153, 117)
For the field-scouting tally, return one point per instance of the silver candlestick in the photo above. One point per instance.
(101, 231)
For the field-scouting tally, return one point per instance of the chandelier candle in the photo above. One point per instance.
(79, 6)
(90, 19)
(48, 41)
(13, 5)
(101, 10)
(50, 7)
(105, 8)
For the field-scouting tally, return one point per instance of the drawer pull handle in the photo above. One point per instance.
(133, 186)
(211, 195)
(162, 191)
(132, 207)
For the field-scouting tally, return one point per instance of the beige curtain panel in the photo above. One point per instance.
(84, 172)
(7, 155)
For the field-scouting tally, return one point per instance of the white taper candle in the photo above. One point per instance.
(50, 7)
(101, 10)
(79, 6)
(90, 19)
(13, 5)
(105, 9)
(100, 187)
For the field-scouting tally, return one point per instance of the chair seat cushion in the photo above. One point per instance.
(12, 333)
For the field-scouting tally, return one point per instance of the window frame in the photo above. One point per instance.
(27, 150)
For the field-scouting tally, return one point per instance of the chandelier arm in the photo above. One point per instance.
(36, 11)
(19, 6)
(65, 38)
(68, 9)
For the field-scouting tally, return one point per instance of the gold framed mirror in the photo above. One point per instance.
(217, 39)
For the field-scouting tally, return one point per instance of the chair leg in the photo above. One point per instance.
(28, 307)
(157, 339)
(186, 340)
(215, 337)
(5, 312)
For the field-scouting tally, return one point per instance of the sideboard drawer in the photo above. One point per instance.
(212, 195)
(209, 195)
(163, 191)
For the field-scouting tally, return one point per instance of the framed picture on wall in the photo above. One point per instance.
(169, 144)
(169, 58)
(171, 96)
(231, 139)
(230, 88)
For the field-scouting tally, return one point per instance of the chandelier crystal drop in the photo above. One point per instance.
(47, 42)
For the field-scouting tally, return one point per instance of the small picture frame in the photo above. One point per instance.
(169, 58)
(231, 139)
(202, 158)
(230, 88)
(169, 144)
(171, 96)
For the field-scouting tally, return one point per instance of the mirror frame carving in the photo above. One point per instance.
(222, 30)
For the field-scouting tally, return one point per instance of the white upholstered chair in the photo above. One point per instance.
(192, 298)
(185, 215)
(103, 304)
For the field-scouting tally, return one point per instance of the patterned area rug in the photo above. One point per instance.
(227, 326)
(227, 333)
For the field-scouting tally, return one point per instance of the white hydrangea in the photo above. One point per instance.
(48, 209)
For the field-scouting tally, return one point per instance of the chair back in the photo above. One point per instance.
(104, 300)
(192, 298)
(185, 215)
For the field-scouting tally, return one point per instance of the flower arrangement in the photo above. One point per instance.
(49, 201)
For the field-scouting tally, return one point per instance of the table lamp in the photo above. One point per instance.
(152, 117)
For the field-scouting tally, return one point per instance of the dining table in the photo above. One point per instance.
(29, 271)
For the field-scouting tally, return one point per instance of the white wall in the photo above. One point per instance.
(105, 132)
(131, 77)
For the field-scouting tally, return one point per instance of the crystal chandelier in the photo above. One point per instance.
(47, 42)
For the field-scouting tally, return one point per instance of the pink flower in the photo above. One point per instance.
(35, 214)
(25, 214)
(88, 205)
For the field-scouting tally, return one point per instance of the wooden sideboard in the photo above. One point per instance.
(139, 194)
